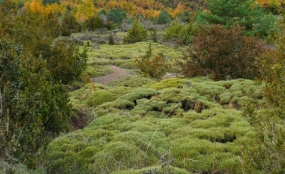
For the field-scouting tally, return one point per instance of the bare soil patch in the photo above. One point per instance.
(117, 74)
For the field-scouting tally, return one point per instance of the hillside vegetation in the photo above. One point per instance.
(199, 87)
(175, 125)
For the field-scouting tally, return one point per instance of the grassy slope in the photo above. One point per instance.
(124, 55)
(143, 125)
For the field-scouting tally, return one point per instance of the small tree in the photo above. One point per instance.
(172, 31)
(153, 35)
(163, 17)
(69, 25)
(94, 23)
(111, 40)
(223, 52)
(116, 15)
(136, 34)
(153, 66)
(187, 32)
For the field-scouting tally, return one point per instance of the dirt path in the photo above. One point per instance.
(117, 74)
(121, 73)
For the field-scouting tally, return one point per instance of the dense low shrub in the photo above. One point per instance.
(159, 130)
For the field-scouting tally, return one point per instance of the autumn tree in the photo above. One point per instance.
(223, 53)
(85, 10)
(245, 13)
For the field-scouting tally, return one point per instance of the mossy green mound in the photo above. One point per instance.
(124, 55)
(97, 71)
(175, 125)
(94, 94)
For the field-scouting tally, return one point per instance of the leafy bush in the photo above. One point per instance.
(28, 97)
(154, 67)
(66, 62)
(136, 34)
(34, 106)
(223, 53)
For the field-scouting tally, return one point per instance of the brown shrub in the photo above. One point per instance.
(222, 53)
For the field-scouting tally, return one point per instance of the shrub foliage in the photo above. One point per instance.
(136, 34)
(222, 53)
(153, 66)
(163, 17)
(183, 33)
(69, 25)
(34, 71)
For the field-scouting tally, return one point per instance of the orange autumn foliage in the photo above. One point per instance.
(36, 7)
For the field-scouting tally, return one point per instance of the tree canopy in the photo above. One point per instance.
(245, 13)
